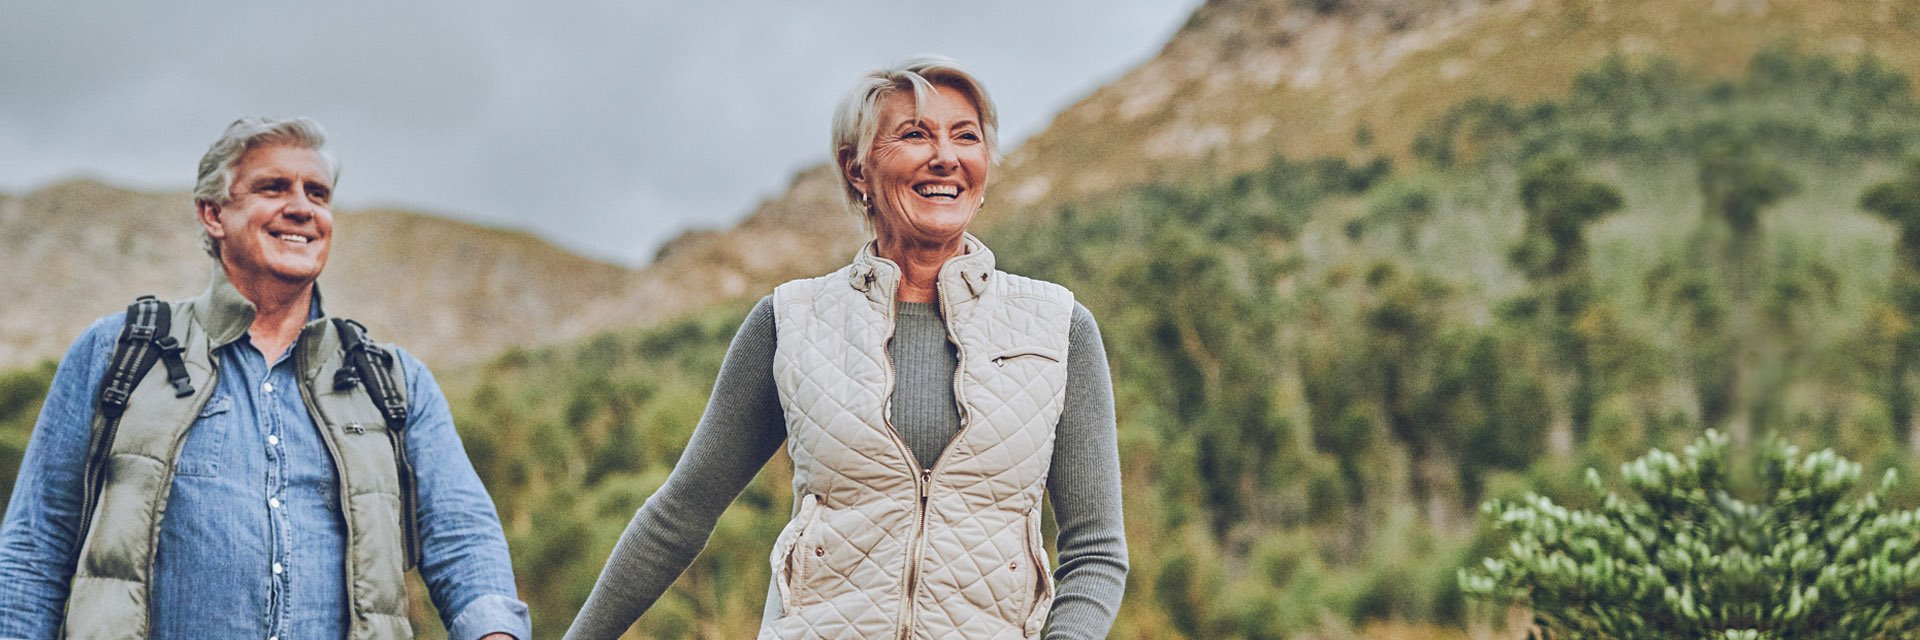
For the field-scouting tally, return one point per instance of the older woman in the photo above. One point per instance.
(928, 402)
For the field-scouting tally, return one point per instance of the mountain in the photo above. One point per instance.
(1228, 92)
(1246, 79)
(451, 292)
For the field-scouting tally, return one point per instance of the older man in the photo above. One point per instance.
(300, 469)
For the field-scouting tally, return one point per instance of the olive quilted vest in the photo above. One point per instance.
(109, 599)
(879, 547)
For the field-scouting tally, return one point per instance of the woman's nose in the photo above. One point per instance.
(944, 156)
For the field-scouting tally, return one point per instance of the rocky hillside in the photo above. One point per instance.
(1245, 79)
(453, 293)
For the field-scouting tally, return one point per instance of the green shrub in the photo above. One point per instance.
(1800, 558)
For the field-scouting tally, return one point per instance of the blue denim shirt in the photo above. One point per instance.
(253, 542)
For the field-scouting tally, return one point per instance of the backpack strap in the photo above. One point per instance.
(146, 338)
(369, 366)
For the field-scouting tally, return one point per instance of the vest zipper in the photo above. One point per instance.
(919, 543)
(926, 475)
(907, 585)
(959, 365)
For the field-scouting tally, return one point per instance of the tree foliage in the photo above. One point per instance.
(1560, 204)
(1689, 553)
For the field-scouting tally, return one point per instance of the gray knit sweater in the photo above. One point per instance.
(743, 428)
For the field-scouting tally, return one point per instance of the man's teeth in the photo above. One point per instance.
(293, 238)
(930, 190)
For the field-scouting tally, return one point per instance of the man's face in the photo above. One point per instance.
(278, 222)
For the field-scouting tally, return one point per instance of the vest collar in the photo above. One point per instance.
(225, 314)
(963, 278)
(316, 342)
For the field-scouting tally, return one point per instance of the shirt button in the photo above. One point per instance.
(277, 568)
(267, 387)
(273, 441)
(273, 502)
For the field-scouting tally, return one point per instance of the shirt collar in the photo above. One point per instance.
(226, 315)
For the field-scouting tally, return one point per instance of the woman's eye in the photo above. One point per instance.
(970, 136)
(914, 135)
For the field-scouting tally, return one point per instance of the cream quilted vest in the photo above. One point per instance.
(879, 547)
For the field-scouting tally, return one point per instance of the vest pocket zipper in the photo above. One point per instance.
(1043, 353)
(789, 570)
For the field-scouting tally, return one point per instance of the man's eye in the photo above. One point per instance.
(318, 194)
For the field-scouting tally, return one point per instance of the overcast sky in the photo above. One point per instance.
(606, 127)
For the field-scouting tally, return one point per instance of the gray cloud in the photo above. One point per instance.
(607, 127)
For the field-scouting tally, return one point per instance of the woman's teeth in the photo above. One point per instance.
(941, 190)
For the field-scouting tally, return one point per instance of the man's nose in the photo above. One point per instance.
(300, 207)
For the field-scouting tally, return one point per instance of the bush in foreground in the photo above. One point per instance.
(1684, 557)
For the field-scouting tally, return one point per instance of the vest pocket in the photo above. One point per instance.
(1014, 355)
(201, 452)
(790, 553)
(1043, 576)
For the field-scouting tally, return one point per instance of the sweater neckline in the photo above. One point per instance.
(917, 308)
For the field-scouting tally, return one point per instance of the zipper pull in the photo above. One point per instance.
(926, 481)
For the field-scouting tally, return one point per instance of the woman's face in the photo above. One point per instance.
(926, 173)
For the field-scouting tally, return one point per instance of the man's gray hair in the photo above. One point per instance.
(215, 183)
(858, 118)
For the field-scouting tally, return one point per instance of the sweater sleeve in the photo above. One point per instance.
(1084, 488)
(741, 429)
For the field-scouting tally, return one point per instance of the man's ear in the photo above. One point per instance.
(209, 215)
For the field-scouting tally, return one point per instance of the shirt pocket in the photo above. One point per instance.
(206, 440)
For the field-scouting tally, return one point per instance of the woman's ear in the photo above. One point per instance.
(850, 168)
